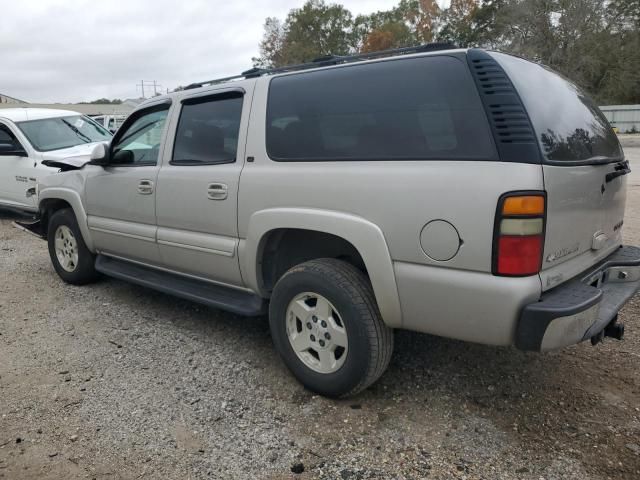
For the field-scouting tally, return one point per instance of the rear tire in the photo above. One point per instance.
(342, 345)
(71, 258)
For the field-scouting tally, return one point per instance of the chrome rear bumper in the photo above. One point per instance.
(581, 308)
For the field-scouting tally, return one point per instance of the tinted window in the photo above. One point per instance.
(64, 132)
(421, 108)
(139, 142)
(208, 131)
(569, 126)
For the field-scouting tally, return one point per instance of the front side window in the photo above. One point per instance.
(405, 109)
(50, 134)
(6, 137)
(8, 142)
(139, 143)
(208, 130)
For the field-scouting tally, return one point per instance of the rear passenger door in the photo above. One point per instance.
(198, 186)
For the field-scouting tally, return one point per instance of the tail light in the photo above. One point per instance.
(519, 234)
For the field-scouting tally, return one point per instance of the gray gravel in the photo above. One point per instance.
(117, 381)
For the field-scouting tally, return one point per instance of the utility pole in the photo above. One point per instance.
(149, 83)
(141, 85)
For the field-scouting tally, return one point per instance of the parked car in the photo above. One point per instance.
(462, 193)
(110, 122)
(29, 136)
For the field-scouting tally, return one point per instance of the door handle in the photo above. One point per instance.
(145, 187)
(217, 191)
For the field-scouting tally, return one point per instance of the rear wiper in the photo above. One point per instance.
(76, 131)
(621, 169)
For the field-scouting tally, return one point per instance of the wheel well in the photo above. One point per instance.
(47, 208)
(286, 247)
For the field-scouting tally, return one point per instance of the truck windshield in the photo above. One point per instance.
(62, 132)
(569, 125)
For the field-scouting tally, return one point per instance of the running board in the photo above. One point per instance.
(235, 301)
(34, 227)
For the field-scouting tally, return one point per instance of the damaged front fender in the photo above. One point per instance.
(74, 158)
(67, 164)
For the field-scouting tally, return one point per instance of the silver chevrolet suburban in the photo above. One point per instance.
(462, 193)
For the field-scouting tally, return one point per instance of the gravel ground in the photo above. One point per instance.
(117, 381)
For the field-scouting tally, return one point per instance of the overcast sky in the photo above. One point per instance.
(81, 50)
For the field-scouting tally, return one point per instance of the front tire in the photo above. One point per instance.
(326, 326)
(71, 258)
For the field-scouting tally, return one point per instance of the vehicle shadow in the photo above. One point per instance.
(7, 216)
(427, 363)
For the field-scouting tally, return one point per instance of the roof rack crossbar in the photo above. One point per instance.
(328, 60)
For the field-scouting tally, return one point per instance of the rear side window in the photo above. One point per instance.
(569, 126)
(408, 109)
(208, 130)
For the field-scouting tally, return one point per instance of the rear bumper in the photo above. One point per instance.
(581, 308)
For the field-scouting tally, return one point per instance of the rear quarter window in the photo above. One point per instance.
(407, 109)
(569, 125)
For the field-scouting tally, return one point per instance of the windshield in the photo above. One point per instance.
(570, 127)
(63, 132)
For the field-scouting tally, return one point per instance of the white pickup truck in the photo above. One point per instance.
(31, 136)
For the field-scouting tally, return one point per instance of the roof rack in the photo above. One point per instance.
(328, 60)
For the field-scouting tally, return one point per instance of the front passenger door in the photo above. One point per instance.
(16, 172)
(121, 199)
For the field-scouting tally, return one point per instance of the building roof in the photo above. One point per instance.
(23, 114)
(83, 108)
(133, 102)
(619, 107)
(13, 99)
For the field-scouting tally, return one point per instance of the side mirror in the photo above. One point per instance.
(99, 155)
(124, 157)
(10, 149)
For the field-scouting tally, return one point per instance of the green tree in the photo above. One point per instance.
(620, 83)
(272, 45)
(459, 23)
(315, 30)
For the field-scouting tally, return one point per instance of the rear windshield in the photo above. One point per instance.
(569, 126)
(408, 109)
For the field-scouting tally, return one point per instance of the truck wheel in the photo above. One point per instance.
(71, 258)
(326, 326)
